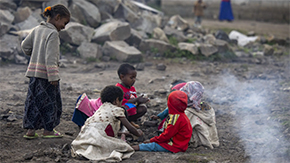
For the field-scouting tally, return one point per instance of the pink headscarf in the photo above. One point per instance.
(194, 91)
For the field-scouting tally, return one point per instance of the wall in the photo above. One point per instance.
(259, 10)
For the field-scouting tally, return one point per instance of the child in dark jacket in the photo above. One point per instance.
(177, 132)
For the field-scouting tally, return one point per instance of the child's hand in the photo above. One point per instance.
(142, 100)
(140, 132)
(154, 117)
(55, 83)
(146, 141)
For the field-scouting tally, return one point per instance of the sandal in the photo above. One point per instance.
(56, 134)
(31, 137)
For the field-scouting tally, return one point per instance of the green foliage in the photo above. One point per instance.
(191, 40)
(154, 50)
(173, 40)
(65, 48)
(91, 59)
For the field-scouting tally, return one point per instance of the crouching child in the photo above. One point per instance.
(177, 132)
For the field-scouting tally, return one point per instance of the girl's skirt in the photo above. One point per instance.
(43, 106)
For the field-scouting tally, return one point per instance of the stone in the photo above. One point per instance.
(161, 67)
(177, 22)
(158, 45)
(170, 32)
(207, 49)
(29, 23)
(121, 51)
(189, 47)
(147, 22)
(53, 2)
(7, 5)
(222, 35)
(221, 45)
(268, 50)
(209, 39)
(22, 14)
(159, 34)
(76, 33)
(134, 39)
(140, 66)
(85, 13)
(90, 50)
(112, 31)
(106, 7)
(126, 13)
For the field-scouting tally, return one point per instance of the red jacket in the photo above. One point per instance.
(178, 132)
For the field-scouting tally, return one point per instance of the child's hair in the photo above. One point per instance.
(111, 93)
(124, 69)
(56, 9)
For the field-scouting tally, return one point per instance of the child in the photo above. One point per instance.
(200, 114)
(135, 105)
(43, 106)
(177, 131)
(97, 139)
(198, 12)
(86, 107)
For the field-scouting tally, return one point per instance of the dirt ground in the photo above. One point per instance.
(250, 97)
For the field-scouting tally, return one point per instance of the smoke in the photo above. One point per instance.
(250, 103)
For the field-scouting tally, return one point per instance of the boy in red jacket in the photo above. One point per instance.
(177, 132)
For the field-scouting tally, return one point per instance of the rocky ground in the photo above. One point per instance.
(250, 96)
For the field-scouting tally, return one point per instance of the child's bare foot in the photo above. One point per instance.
(123, 137)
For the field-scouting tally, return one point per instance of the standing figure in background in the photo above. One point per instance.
(43, 106)
(226, 11)
(198, 12)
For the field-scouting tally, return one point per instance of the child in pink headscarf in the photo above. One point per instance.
(200, 114)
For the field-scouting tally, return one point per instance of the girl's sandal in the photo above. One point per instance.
(56, 134)
(31, 137)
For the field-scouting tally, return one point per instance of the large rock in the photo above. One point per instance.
(189, 47)
(207, 49)
(112, 31)
(6, 53)
(177, 22)
(6, 16)
(134, 39)
(4, 27)
(147, 22)
(209, 39)
(221, 45)
(160, 46)
(159, 34)
(75, 33)
(10, 49)
(85, 13)
(220, 34)
(6, 19)
(106, 7)
(174, 33)
(22, 14)
(29, 23)
(126, 13)
(90, 50)
(53, 2)
(7, 5)
(121, 51)
(268, 50)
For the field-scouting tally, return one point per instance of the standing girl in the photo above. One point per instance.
(43, 106)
